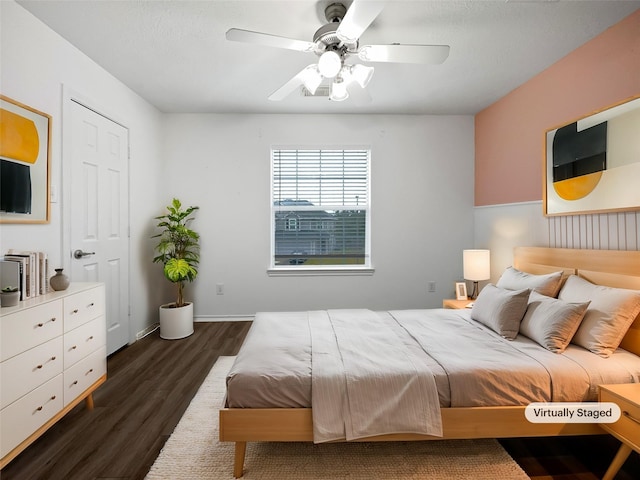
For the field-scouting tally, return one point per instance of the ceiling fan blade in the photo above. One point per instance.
(247, 36)
(357, 19)
(433, 54)
(288, 88)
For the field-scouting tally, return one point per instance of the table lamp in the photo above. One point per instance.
(476, 267)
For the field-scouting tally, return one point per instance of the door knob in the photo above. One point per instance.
(80, 254)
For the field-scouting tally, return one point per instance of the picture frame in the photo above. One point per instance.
(592, 165)
(25, 163)
(461, 291)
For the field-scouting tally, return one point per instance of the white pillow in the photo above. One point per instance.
(608, 317)
(547, 284)
(501, 310)
(551, 322)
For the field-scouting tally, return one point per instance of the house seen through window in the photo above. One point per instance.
(320, 208)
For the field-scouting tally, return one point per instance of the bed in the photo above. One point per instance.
(269, 417)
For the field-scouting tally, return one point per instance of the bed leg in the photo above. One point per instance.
(238, 466)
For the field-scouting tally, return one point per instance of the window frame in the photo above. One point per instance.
(319, 270)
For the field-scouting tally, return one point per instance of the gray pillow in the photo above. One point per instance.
(547, 284)
(501, 310)
(551, 322)
(608, 317)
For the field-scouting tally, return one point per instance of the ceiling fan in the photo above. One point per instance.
(334, 44)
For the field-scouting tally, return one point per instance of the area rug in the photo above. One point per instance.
(193, 452)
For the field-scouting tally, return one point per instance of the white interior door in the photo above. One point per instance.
(99, 213)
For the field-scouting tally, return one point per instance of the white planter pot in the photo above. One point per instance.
(176, 323)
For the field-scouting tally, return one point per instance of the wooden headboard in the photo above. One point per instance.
(613, 268)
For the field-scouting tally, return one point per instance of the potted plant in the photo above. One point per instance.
(178, 249)
(9, 296)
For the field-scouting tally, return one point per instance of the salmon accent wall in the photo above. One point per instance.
(509, 134)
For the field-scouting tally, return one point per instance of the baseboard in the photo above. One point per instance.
(223, 318)
(147, 331)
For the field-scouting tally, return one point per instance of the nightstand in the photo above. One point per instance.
(456, 304)
(627, 428)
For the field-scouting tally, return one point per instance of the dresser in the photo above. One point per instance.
(52, 357)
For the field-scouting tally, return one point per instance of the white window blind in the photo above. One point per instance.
(320, 207)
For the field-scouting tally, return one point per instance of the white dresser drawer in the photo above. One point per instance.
(27, 328)
(24, 372)
(23, 417)
(82, 307)
(85, 339)
(84, 374)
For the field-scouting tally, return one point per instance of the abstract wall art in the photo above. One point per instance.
(593, 164)
(25, 135)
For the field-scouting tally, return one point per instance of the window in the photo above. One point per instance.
(320, 209)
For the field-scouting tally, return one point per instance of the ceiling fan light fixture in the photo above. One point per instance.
(311, 78)
(338, 90)
(362, 74)
(329, 64)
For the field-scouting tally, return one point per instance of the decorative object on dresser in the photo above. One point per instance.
(53, 356)
(476, 267)
(627, 428)
(9, 296)
(59, 281)
(179, 251)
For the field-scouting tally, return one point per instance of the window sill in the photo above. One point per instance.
(318, 271)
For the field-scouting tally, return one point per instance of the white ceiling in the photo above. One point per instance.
(175, 55)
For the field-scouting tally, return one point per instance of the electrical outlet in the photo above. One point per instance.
(219, 288)
(431, 287)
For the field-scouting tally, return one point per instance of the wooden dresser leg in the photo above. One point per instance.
(618, 461)
(238, 466)
(88, 401)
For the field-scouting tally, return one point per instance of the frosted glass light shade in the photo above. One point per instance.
(329, 64)
(476, 265)
(362, 74)
(338, 90)
(311, 78)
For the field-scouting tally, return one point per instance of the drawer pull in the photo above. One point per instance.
(90, 305)
(38, 366)
(74, 311)
(39, 409)
(90, 371)
(91, 337)
(75, 382)
(74, 347)
(631, 417)
(41, 324)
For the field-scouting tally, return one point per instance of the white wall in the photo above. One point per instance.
(501, 228)
(422, 207)
(35, 65)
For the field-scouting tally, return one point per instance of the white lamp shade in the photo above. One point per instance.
(338, 90)
(476, 265)
(362, 74)
(329, 64)
(311, 78)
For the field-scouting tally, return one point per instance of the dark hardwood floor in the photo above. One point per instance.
(151, 383)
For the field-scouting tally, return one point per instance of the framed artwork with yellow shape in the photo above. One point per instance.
(25, 151)
(592, 165)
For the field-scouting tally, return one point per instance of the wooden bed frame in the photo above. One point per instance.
(614, 268)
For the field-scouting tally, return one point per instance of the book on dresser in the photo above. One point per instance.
(34, 272)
